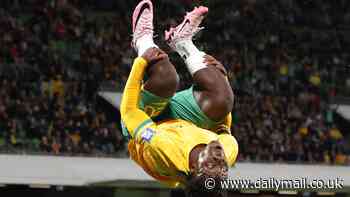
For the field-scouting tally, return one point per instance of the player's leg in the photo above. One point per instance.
(162, 78)
(214, 93)
(212, 90)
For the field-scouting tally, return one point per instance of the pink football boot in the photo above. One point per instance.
(188, 28)
(142, 21)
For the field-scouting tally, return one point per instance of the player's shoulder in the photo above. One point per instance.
(228, 138)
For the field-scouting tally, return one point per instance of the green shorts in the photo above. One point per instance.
(182, 105)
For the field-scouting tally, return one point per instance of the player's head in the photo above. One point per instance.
(211, 165)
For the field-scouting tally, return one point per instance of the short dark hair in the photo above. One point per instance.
(196, 187)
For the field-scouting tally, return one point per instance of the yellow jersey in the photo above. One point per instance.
(163, 149)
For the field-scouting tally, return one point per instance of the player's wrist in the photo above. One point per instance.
(141, 61)
(154, 55)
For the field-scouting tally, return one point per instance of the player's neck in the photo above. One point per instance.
(193, 160)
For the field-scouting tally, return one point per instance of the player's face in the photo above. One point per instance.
(212, 160)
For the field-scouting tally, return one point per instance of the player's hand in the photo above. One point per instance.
(211, 61)
(222, 129)
(154, 55)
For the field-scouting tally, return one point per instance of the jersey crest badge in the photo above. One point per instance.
(147, 134)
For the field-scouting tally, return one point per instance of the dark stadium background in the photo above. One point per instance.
(288, 63)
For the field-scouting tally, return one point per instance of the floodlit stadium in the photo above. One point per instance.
(174, 98)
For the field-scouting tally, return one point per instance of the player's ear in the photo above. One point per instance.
(193, 168)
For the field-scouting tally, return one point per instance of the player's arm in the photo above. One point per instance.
(133, 117)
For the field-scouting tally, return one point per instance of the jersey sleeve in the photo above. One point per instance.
(133, 117)
(228, 120)
(230, 147)
(225, 126)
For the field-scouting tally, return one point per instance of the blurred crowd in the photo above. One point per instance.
(48, 82)
(287, 60)
(293, 129)
(54, 118)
